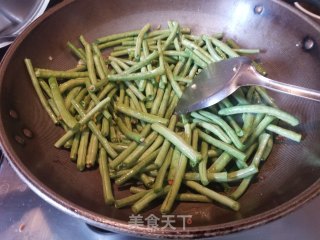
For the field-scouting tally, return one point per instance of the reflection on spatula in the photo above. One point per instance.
(221, 79)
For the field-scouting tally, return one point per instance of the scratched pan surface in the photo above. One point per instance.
(289, 178)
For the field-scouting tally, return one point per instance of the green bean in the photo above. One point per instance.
(240, 97)
(173, 165)
(92, 151)
(82, 150)
(242, 173)
(211, 49)
(127, 201)
(263, 93)
(246, 51)
(134, 100)
(113, 43)
(45, 87)
(146, 199)
(203, 164)
(103, 141)
(71, 95)
(117, 36)
(224, 47)
(259, 129)
(134, 189)
(155, 145)
(142, 63)
(224, 146)
(180, 171)
(263, 140)
(172, 35)
(64, 113)
(79, 68)
(60, 74)
(133, 171)
(89, 61)
(157, 101)
(129, 134)
(284, 132)
(62, 140)
(213, 153)
(175, 86)
(250, 92)
(139, 150)
(166, 144)
(200, 52)
(163, 170)
(172, 106)
(75, 146)
(146, 180)
(76, 52)
(164, 102)
(241, 188)
(87, 117)
(247, 128)
(186, 70)
(224, 200)
(171, 196)
(220, 163)
(103, 65)
(140, 37)
(175, 53)
(98, 67)
(284, 116)
(36, 86)
(216, 130)
(137, 76)
(70, 84)
(146, 117)
(267, 150)
(104, 172)
(212, 177)
(193, 71)
(176, 140)
(220, 122)
(197, 60)
(195, 139)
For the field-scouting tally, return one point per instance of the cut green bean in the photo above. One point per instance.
(284, 116)
(60, 74)
(104, 172)
(224, 146)
(36, 86)
(216, 130)
(140, 37)
(224, 200)
(64, 113)
(82, 150)
(284, 132)
(72, 83)
(96, 131)
(146, 117)
(176, 140)
(129, 134)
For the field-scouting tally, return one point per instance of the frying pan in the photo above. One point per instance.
(290, 176)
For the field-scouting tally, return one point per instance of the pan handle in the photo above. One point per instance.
(315, 3)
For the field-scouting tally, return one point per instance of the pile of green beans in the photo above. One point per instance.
(117, 110)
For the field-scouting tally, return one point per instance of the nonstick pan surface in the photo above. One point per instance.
(291, 54)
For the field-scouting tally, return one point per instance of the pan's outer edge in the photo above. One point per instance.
(120, 227)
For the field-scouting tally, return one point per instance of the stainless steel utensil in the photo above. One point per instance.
(221, 79)
(16, 15)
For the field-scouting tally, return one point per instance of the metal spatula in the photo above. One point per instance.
(221, 79)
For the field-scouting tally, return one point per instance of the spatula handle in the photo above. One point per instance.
(289, 89)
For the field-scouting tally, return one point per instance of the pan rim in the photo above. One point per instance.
(118, 226)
